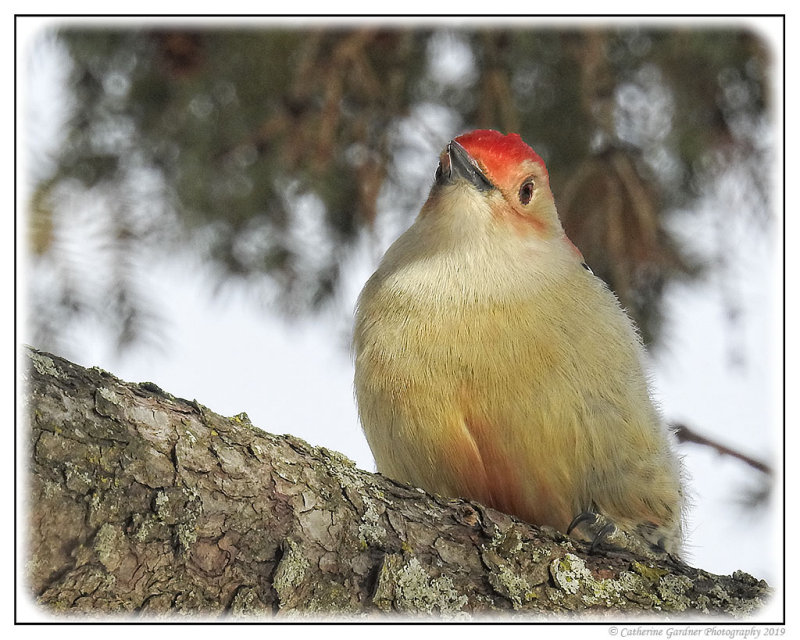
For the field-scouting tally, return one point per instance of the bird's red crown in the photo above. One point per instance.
(499, 154)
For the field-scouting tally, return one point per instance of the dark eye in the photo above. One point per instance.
(526, 192)
(438, 175)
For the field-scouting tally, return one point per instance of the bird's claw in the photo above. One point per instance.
(599, 531)
(594, 527)
(583, 516)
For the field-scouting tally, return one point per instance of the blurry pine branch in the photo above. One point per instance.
(272, 150)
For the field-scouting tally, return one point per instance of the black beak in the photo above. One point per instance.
(457, 163)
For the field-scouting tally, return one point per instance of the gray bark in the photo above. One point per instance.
(143, 504)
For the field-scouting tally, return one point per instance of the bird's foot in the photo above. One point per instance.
(602, 532)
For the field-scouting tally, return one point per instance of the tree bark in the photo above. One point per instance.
(144, 504)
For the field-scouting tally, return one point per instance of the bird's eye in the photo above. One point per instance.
(526, 192)
(438, 173)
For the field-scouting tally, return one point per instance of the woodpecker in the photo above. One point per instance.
(491, 364)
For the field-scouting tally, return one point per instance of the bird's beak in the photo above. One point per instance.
(456, 163)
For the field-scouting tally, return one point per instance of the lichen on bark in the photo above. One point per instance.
(146, 505)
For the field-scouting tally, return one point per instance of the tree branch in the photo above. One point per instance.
(144, 504)
(685, 434)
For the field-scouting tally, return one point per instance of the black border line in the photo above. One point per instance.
(611, 623)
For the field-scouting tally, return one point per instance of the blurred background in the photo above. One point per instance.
(202, 203)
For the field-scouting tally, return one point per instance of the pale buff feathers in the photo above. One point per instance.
(490, 364)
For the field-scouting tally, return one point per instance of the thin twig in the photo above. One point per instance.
(685, 434)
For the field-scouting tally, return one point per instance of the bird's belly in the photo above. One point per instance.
(456, 427)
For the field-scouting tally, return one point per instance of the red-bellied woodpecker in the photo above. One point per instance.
(492, 364)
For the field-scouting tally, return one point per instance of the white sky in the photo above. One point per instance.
(297, 378)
